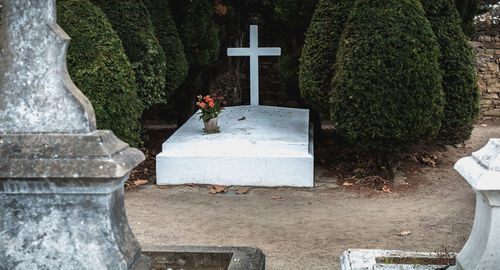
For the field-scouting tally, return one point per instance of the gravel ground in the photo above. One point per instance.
(309, 228)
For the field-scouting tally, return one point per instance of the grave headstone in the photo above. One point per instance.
(256, 146)
(61, 180)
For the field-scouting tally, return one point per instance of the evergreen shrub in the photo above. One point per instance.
(317, 62)
(195, 22)
(387, 88)
(99, 67)
(166, 32)
(468, 10)
(459, 73)
(130, 19)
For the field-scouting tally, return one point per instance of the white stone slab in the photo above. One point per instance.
(366, 259)
(272, 147)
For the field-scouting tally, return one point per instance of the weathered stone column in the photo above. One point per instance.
(61, 180)
(482, 171)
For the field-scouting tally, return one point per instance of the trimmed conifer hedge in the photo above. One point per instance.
(166, 32)
(468, 10)
(130, 19)
(457, 64)
(317, 62)
(195, 22)
(387, 88)
(97, 64)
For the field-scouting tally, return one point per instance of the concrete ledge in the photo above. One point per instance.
(230, 258)
(373, 259)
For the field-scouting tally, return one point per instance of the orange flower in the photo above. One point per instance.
(207, 99)
(202, 104)
(211, 104)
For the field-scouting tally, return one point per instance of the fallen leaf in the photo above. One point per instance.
(242, 118)
(220, 9)
(403, 233)
(387, 189)
(275, 197)
(429, 161)
(241, 191)
(162, 187)
(191, 185)
(347, 184)
(358, 171)
(468, 146)
(484, 125)
(218, 189)
(140, 182)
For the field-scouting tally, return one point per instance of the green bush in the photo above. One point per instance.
(387, 90)
(467, 10)
(130, 19)
(97, 64)
(317, 62)
(294, 13)
(459, 73)
(166, 32)
(194, 19)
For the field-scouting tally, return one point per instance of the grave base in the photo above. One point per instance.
(194, 257)
(256, 146)
(356, 259)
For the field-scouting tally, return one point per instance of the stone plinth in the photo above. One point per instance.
(272, 146)
(482, 171)
(61, 201)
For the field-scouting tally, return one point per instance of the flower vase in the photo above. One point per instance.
(211, 125)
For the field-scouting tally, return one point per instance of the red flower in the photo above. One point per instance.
(202, 104)
(211, 104)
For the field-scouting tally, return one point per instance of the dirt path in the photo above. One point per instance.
(310, 228)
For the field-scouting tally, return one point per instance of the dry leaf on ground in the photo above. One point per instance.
(241, 191)
(242, 118)
(403, 233)
(275, 197)
(386, 189)
(162, 187)
(140, 182)
(359, 171)
(347, 184)
(191, 185)
(484, 125)
(429, 161)
(218, 189)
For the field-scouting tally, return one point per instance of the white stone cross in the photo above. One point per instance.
(254, 52)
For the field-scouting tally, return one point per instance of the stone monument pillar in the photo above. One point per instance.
(61, 180)
(482, 171)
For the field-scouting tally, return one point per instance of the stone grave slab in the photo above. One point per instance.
(272, 146)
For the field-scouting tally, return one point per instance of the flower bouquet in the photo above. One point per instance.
(211, 106)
